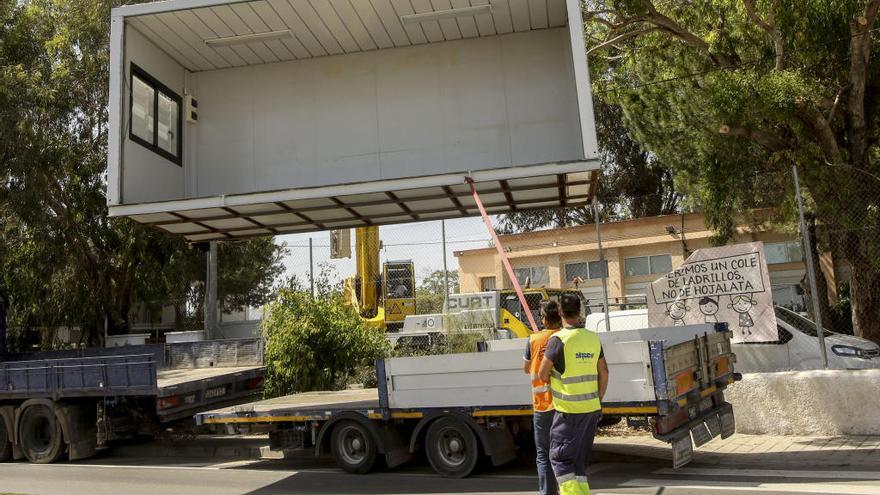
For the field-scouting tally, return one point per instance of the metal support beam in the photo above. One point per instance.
(211, 312)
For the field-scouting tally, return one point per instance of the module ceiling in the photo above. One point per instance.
(209, 34)
(375, 203)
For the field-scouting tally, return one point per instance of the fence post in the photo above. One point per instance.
(211, 315)
(311, 267)
(445, 270)
(811, 274)
(602, 263)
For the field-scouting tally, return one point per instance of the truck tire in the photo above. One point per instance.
(353, 448)
(451, 447)
(39, 433)
(5, 442)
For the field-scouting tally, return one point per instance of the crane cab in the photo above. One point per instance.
(399, 293)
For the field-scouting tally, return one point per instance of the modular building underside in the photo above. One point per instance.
(248, 118)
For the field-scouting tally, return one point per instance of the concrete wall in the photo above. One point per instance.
(824, 403)
(404, 112)
(147, 176)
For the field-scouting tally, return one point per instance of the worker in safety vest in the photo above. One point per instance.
(578, 373)
(542, 401)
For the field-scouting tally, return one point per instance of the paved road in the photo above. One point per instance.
(172, 476)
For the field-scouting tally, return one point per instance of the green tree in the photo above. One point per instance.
(732, 93)
(431, 292)
(316, 343)
(63, 262)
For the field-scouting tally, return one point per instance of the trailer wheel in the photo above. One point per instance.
(40, 435)
(5, 442)
(451, 447)
(354, 450)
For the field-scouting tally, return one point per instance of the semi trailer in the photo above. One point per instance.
(70, 404)
(457, 408)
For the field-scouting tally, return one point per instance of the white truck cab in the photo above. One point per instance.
(796, 349)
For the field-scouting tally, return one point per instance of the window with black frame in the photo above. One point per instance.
(155, 116)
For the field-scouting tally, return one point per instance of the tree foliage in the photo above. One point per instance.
(63, 262)
(431, 295)
(732, 93)
(316, 343)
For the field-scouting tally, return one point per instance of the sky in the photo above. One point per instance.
(422, 242)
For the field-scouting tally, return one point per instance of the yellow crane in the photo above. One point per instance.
(384, 298)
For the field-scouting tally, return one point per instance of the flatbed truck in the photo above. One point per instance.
(459, 407)
(71, 403)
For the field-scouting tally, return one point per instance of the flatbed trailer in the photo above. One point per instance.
(458, 407)
(74, 402)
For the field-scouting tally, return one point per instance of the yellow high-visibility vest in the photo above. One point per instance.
(577, 390)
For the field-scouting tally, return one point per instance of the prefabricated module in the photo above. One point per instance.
(231, 119)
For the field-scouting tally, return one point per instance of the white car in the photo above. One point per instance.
(796, 349)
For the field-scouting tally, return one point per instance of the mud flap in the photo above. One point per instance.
(728, 422)
(78, 423)
(503, 446)
(701, 434)
(682, 451)
(714, 425)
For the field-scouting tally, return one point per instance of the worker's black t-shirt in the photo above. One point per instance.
(556, 352)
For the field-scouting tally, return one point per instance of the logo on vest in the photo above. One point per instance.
(584, 355)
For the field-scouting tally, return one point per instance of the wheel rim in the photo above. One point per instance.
(452, 447)
(352, 445)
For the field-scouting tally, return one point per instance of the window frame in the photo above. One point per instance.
(158, 87)
(650, 264)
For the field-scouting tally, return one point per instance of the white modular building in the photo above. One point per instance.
(232, 119)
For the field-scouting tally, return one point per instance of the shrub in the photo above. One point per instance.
(317, 343)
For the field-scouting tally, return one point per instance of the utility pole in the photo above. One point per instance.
(311, 267)
(445, 271)
(602, 263)
(211, 315)
(811, 273)
(2, 325)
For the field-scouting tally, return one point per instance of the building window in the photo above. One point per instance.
(584, 270)
(648, 265)
(155, 116)
(783, 252)
(789, 296)
(536, 276)
(487, 284)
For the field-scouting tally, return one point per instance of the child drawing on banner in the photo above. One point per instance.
(742, 303)
(677, 310)
(709, 308)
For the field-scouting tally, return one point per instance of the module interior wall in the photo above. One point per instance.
(147, 176)
(405, 112)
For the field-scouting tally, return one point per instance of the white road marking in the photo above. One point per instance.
(801, 488)
(771, 473)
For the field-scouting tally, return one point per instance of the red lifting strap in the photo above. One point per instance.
(504, 260)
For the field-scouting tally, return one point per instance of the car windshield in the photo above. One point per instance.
(800, 323)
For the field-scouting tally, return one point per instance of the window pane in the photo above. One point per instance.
(487, 283)
(783, 252)
(576, 270)
(168, 132)
(540, 276)
(521, 274)
(597, 268)
(661, 264)
(637, 266)
(142, 98)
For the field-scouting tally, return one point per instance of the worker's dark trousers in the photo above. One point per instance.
(546, 481)
(571, 442)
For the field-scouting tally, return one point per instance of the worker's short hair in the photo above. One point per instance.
(550, 313)
(570, 305)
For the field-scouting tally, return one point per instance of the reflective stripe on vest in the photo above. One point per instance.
(577, 390)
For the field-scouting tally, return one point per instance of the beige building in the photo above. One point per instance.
(638, 252)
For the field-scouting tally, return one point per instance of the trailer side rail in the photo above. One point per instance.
(132, 375)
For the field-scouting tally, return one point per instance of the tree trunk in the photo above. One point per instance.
(824, 308)
(865, 300)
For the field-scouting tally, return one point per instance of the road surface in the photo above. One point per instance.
(184, 476)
